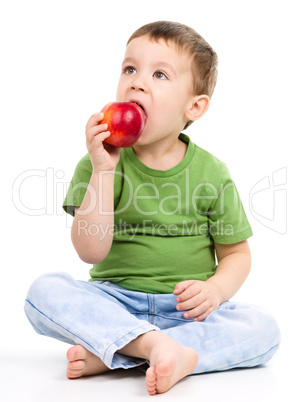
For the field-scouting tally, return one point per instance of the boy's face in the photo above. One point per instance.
(159, 78)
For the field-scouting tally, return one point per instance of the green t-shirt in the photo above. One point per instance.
(166, 221)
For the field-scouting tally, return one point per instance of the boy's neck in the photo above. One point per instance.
(161, 156)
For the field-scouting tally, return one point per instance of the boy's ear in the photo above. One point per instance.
(198, 107)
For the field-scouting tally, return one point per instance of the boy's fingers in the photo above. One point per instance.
(191, 303)
(181, 286)
(198, 311)
(187, 295)
(100, 137)
(93, 131)
(203, 316)
(183, 290)
(94, 120)
(97, 116)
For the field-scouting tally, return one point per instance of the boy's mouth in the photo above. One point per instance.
(141, 106)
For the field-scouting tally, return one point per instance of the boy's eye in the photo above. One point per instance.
(130, 70)
(160, 75)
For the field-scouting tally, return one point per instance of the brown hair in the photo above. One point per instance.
(204, 59)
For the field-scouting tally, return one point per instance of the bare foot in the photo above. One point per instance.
(83, 363)
(169, 363)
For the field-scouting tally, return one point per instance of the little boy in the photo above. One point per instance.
(152, 219)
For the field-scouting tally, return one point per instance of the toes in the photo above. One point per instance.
(77, 352)
(77, 365)
(71, 375)
(151, 381)
(72, 353)
(75, 369)
(151, 391)
(150, 374)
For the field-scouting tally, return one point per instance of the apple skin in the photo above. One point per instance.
(125, 122)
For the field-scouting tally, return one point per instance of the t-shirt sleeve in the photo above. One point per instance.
(228, 222)
(78, 185)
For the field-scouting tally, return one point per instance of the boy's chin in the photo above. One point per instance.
(141, 140)
(137, 143)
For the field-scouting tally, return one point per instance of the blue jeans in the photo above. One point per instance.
(104, 317)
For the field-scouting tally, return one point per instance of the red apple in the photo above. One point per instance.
(125, 122)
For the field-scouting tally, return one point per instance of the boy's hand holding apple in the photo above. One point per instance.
(102, 158)
(118, 125)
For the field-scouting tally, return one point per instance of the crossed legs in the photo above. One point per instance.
(96, 319)
(169, 361)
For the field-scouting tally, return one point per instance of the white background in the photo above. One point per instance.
(60, 62)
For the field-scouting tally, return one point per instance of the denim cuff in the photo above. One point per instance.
(116, 360)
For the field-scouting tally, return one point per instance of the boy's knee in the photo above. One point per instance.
(46, 287)
(43, 299)
(258, 326)
(267, 330)
(273, 330)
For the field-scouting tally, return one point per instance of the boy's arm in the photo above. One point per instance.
(91, 232)
(234, 263)
(201, 298)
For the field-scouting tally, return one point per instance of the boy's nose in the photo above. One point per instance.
(138, 85)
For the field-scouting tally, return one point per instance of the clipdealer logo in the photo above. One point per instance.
(268, 201)
(48, 182)
(267, 198)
